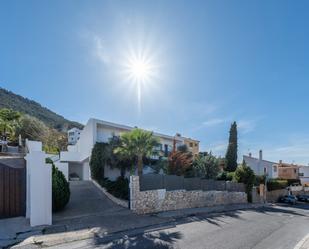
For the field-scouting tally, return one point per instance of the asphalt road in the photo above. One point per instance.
(272, 227)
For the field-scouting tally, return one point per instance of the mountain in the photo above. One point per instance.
(16, 102)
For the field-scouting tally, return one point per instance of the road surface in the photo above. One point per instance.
(270, 227)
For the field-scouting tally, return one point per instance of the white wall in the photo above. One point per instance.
(305, 171)
(86, 171)
(64, 168)
(258, 166)
(39, 188)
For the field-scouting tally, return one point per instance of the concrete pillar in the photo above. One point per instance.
(39, 189)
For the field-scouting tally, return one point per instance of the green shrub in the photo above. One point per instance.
(259, 180)
(245, 175)
(118, 188)
(98, 160)
(275, 184)
(294, 182)
(225, 176)
(60, 190)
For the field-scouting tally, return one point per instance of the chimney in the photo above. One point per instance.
(260, 155)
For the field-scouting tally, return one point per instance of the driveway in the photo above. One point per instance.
(86, 200)
(89, 208)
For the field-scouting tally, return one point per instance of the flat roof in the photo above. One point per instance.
(129, 128)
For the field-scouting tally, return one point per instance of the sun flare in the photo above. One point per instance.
(139, 70)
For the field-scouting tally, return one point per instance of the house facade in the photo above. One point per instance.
(73, 135)
(261, 166)
(288, 171)
(78, 155)
(304, 175)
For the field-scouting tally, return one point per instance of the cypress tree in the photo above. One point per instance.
(231, 153)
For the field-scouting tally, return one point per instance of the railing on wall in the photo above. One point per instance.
(173, 182)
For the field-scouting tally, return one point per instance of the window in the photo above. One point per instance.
(195, 144)
(295, 171)
(265, 170)
(165, 150)
(275, 168)
(71, 133)
(158, 147)
(191, 144)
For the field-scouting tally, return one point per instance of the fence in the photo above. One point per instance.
(173, 182)
(12, 191)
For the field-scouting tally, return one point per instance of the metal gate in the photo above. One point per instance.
(12, 191)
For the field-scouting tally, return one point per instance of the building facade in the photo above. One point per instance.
(288, 171)
(78, 155)
(261, 166)
(73, 135)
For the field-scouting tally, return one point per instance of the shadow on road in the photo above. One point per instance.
(159, 240)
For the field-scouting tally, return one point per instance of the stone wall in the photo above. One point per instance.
(158, 200)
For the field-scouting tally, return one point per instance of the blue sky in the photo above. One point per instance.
(215, 62)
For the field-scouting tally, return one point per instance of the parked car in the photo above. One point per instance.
(291, 199)
(304, 198)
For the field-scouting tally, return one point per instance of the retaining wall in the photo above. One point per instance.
(152, 201)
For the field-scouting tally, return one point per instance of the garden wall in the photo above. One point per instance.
(152, 201)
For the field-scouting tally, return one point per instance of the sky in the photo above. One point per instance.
(210, 63)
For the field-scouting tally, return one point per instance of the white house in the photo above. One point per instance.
(73, 135)
(78, 155)
(304, 175)
(261, 166)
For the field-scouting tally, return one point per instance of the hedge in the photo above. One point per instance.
(118, 188)
(60, 188)
(275, 184)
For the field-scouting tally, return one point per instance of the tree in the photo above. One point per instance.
(137, 143)
(118, 160)
(179, 163)
(245, 175)
(8, 122)
(31, 128)
(206, 166)
(231, 153)
(98, 160)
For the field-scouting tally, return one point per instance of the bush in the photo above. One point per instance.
(98, 160)
(118, 188)
(259, 180)
(225, 176)
(275, 184)
(293, 182)
(206, 166)
(245, 175)
(60, 190)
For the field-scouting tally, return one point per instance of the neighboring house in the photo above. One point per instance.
(78, 155)
(73, 135)
(261, 166)
(192, 145)
(304, 175)
(288, 171)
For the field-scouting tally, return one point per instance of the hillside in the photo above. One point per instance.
(16, 102)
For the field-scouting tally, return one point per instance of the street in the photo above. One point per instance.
(269, 227)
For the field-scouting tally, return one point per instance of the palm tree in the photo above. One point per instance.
(137, 144)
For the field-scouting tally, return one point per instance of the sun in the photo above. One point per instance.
(140, 70)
